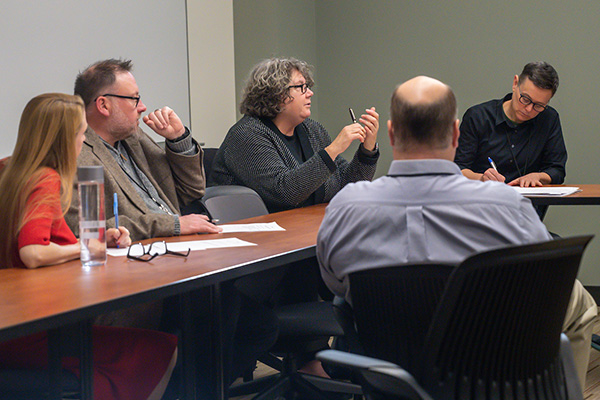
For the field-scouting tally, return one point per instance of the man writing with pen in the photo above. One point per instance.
(517, 139)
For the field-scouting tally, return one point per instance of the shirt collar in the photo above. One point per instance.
(118, 151)
(501, 116)
(421, 167)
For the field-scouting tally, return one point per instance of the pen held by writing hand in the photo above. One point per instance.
(116, 212)
(492, 164)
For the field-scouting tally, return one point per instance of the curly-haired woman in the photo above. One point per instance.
(277, 150)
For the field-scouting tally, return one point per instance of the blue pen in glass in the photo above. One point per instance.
(492, 164)
(116, 211)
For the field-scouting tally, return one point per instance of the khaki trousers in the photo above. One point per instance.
(578, 326)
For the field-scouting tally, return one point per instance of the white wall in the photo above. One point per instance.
(46, 43)
(212, 71)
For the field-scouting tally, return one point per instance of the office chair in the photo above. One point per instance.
(393, 308)
(196, 206)
(495, 334)
(207, 161)
(299, 322)
(231, 203)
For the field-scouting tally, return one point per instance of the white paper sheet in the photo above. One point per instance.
(546, 191)
(182, 247)
(258, 227)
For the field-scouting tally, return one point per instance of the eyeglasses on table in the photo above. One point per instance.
(138, 251)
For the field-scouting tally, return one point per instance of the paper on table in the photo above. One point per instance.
(193, 245)
(257, 227)
(546, 191)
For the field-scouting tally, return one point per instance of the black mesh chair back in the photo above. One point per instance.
(207, 161)
(496, 333)
(231, 203)
(393, 307)
(196, 206)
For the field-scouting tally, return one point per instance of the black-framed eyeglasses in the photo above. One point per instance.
(138, 251)
(136, 98)
(303, 87)
(525, 100)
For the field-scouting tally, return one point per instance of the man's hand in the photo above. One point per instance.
(370, 120)
(492, 175)
(197, 223)
(532, 179)
(165, 122)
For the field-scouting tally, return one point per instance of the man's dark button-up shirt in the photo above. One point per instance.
(536, 145)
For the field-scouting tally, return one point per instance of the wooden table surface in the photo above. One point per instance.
(33, 300)
(589, 195)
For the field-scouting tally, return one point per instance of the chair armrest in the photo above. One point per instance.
(378, 375)
(353, 361)
(345, 317)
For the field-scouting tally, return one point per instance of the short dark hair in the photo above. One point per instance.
(267, 86)
(424, 124)
(541, 74)
(97, 77)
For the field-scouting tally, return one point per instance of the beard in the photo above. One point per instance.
(120, 127)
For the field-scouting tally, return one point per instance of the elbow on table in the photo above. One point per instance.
(31, 257)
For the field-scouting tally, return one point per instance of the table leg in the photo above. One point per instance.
(187, 347)
(84, 329)
(54, 364)
(217, 340)
(61, 343)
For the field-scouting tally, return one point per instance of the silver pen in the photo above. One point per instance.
(352, 115)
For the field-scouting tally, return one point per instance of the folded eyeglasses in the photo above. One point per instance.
(138, 251)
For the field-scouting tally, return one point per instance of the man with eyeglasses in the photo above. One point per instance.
(151, 183)
(517, 139)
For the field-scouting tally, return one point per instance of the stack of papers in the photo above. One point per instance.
(546, 191)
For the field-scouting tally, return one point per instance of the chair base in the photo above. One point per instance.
(302, 386)
(291, 384)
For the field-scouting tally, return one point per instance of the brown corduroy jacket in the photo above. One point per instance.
(179, 180)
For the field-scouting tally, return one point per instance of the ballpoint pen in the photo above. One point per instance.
(492, 164)
(116, 211)
(352, 115)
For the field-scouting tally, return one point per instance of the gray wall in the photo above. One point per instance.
(273, 28)
(363, 49)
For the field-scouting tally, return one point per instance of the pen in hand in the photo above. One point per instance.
(116, 212)
(352, 115)
(492, 164)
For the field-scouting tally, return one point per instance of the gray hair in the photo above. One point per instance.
(267, 86)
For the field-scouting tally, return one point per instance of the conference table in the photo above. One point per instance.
(67, 295)
(53, 297)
